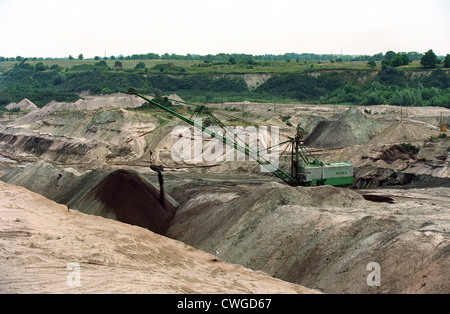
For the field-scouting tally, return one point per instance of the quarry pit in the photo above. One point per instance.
(96, 160)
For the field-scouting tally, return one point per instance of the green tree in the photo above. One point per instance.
(80, 56)
(40, 67)
(429, 60)
(397, 60)
(372, 64)
(374, 98)
(101, 65)
(385, 64)
(389, 55)
(59, 79)
(70, 57)
(140, 65)
(447, 61)
(377, 57)
(406, 59)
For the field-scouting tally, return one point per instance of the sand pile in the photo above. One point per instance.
(24, 105)
(123, 195)
(402, 133)
(177, 99)
(352, 128)
(118, 100)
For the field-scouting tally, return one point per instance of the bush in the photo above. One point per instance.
(391, 76)
(429, 60)
(59, 79)
(40, 67)
(409, 148)
(438, 78)
(374, 98)
(101, 65)
(447, 61)
(140, 65)
(407, 97)
(300, 86)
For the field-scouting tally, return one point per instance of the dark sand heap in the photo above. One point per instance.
(125, 196)
(352, 128)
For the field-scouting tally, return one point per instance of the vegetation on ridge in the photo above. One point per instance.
(408, 79)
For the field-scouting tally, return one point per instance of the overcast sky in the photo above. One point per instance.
(59, 28)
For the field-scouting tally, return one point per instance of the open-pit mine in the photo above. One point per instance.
(96, 184)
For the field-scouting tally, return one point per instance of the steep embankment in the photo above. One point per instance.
(42, 177)
(78, 136)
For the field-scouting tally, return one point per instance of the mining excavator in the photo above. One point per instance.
(297, 166)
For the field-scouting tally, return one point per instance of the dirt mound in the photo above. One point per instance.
(352, 128)
(176, 98)
(96, 102)
(220, 211)
(322, 237)
(402, 133)
(125, 196)
(24, 105)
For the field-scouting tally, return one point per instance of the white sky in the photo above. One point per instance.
(59, 28)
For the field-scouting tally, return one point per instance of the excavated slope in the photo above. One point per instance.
(78, 136)
(323, 237)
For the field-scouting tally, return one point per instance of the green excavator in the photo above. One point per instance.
(297, 166)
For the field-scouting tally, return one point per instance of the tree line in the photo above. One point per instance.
(390, 58)
(42, 83)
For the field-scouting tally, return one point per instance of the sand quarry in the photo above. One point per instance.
(76, 187)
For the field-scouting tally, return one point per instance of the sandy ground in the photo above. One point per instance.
(44, 248)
